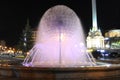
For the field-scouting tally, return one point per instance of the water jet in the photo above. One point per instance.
(60, 41)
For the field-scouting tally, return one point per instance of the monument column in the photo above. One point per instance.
(94, 15)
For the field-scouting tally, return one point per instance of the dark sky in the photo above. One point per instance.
(14, 15)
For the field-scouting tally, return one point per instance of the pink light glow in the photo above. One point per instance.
(60, 41)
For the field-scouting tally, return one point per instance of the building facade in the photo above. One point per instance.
(95, 39)
(112, 39)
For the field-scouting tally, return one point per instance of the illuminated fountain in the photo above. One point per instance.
(60, 41)
(59, 52)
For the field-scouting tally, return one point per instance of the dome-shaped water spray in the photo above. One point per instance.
(60, 41)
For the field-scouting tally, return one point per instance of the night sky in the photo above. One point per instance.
(14, 15)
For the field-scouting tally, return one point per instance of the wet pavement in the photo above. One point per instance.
(10, 60)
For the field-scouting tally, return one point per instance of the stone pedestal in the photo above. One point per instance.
(80, 73)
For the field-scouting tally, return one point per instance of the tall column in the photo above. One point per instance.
(94, 15)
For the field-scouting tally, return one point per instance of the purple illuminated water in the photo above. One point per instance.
(60, 41)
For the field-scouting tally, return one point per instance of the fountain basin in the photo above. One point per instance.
(76, 73)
